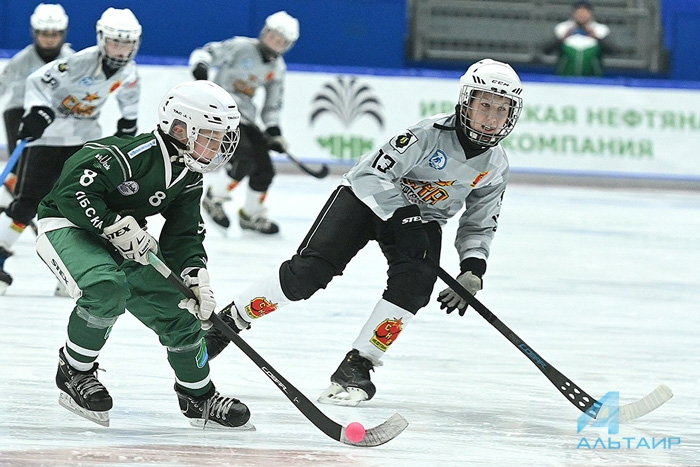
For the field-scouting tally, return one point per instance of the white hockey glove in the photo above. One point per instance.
(131, 240)
(470, 279)
(197, 279)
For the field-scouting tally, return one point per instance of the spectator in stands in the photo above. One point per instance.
(581, 43)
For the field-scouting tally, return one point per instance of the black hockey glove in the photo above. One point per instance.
(275, 141)
(473, 270)
(200, 71)
(35, 122)
(126, 127)
(409, 235)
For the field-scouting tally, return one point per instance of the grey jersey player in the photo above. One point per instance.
(400, 195)
(49, 23)
(246, 65)
(62, 103)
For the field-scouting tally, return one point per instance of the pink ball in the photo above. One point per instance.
(355, 432)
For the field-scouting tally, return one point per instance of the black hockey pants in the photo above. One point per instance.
(252, 159)
(343, 227)
(39, 168)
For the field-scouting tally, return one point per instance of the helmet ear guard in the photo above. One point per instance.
(199, 115)
(491, 83)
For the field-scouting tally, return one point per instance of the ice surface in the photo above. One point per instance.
(603, 284)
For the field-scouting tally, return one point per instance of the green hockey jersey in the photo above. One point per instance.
(137, 177)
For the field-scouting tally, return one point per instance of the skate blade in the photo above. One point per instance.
(3, 287)
(210, 425)
(338, 395)
(66, 401)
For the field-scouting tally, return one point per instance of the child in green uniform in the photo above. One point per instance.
(92, 235)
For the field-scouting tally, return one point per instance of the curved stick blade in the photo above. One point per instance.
(380, 434)
(646, 404)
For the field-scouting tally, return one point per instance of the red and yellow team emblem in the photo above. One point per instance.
(386, 333)
(478, 178)
(259, 307)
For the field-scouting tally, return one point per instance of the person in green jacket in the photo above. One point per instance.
(581, 43)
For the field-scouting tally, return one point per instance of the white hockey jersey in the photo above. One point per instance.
(76, 88)
(24, 63)
(241, 72)
(427, 166)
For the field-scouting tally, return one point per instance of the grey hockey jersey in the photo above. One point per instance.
(241, 72)
(15, 73)
(427, 166)
(76, 88)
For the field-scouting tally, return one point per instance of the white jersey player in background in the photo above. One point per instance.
(49, 24)
(400, 195)
(62, 105)
(244, 66)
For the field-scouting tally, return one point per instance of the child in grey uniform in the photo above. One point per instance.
(63, 100)
(245, 65)
(400, 195)
(49, 23)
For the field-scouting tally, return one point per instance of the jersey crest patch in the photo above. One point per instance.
(128, 188)
(402, 142)
(438, 161)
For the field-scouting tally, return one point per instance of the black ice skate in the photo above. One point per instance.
(350, 384)
(258, 222)
(82, 393)
(5, 278)
(217, 340)
(214, 206)
(212, 407)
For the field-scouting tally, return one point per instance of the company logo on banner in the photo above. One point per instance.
(351, 112)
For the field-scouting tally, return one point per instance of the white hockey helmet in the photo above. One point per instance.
(286, 26)
(49, 17)
(118, 28)
(201, 116)
(488, 84)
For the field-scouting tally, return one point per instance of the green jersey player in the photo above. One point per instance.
(92, 235)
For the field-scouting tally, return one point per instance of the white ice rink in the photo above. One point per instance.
(603, 284)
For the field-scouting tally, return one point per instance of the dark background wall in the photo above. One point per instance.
(358, 33)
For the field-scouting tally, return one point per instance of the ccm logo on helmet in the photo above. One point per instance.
(499, 82)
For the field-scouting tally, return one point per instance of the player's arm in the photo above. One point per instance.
(79, 192)
(128, 96)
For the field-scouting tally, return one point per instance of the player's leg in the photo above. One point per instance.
(82, 262)
(40, 167)
(12, 118)
(341, 229)
(409, 286)
(253, 214)
(154, 301)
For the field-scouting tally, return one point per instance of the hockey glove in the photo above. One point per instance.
(471, 279)
(409, 235)
(197, 279)
(130, 240)
(275, 141)
(200, 71)
(126, 127)
(35, 122)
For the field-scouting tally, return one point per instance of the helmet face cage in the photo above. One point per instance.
(203, 141)
(489, 97)
(495, 106)
(204, 118)
(121, 30)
